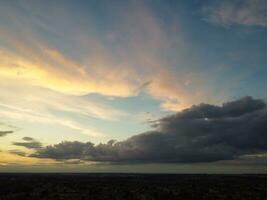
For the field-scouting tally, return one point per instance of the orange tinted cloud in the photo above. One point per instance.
(101, 69)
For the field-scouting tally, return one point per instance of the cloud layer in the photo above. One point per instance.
(202, 133)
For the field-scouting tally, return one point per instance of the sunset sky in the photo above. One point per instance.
(133, 86)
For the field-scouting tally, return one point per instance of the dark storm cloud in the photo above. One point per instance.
(202, 133)
(229, 109)
(64, 150)
(29, 143)
(4, 133)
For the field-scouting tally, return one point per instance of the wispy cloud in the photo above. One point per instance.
(46, 118)
(41, 105)
(236, 12)
(101, 67)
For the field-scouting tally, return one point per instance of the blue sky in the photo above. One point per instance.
(101, 70)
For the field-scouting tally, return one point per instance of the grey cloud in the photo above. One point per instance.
(4, 133)
(202, 133)
(17, 152)
(29, 143)
(241, 12)
(28, 139)
(65, 150)
(143, 86)
(229, 109)
(7, 126)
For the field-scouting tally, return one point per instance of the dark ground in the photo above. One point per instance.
(132, 186)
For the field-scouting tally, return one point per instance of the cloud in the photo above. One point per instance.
(30, 143)
(27, 56)
(64, 150)
(17, 152)
(202, 133)
(240, 12)
(229, 109)
(28, 139)
(40, 105)
(5, 126)
(132, 52)
(4, 133)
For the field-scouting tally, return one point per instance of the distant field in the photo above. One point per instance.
(132, 186)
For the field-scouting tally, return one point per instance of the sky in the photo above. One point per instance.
(133, 86)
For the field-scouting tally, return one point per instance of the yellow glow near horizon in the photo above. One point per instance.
(8, 158)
